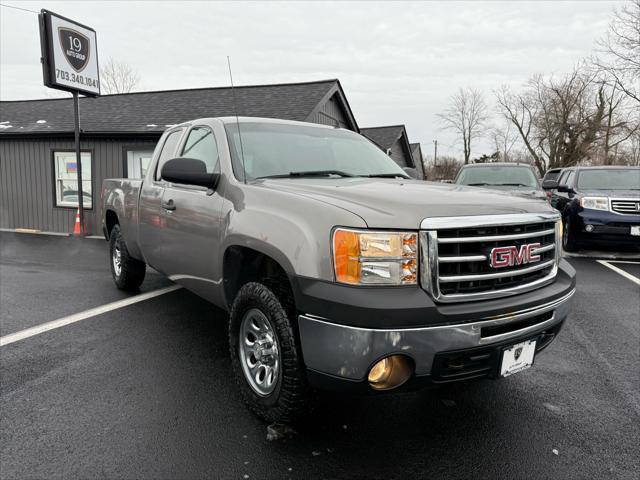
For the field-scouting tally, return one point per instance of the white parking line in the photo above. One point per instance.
(77, 317)
(626, 275)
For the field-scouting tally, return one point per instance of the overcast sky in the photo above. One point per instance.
(397, 62)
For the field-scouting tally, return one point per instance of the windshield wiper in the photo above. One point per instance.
(479, 184)
(385, 175)
(515, 185)
(310, 173)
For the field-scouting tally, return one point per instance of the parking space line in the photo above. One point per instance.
(77, 317)
(626, 275)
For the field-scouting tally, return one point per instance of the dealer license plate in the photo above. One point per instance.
(635, 230)
(517, 358)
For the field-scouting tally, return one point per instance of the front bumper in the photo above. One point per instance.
(608, 228)
(339, 355)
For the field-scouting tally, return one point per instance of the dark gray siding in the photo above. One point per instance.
(331, 113)
(399, 153)
(27, 183)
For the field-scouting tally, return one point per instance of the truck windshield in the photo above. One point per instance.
(609, 179)
(500, 175)
(282, 150)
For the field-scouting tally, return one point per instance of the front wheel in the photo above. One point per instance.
(265, 356)
(127, 272)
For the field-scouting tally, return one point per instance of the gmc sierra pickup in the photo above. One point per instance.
(337, 269)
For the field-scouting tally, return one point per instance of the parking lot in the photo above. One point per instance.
(146, 391)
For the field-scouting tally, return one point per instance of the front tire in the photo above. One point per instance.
(127, 272)
(265, 356)
(569, 242)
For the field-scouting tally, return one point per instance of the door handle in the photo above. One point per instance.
(169, 205)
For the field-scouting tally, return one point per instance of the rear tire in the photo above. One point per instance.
(127, 272)
(265, 356)
(569, 242)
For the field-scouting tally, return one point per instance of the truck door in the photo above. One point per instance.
(193, 223)
(151, 219)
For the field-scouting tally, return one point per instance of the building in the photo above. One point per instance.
(393, 140)
(38, 186)
(418, 159)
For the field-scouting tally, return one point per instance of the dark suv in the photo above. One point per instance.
(599, 205)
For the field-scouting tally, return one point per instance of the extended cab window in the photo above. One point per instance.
(168, 150)
(201, 145)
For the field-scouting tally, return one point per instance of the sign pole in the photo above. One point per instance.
(76, 119)
(70, 62)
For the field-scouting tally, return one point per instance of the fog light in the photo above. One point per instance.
(589, 228)
(390, 372)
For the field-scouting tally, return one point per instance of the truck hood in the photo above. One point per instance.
(395, 203)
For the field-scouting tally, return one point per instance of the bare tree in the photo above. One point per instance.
(118, 77)
(467, 116)
(504, 138)
(620, 123)
(559, 120)
(619, 50)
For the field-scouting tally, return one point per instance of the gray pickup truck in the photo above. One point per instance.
(338, 270)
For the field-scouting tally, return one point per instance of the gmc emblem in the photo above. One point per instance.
(501, 257)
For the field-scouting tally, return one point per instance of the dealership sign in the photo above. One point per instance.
(69, 55)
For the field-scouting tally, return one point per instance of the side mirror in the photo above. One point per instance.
(565, 188)
(189, 171)
(549, 184)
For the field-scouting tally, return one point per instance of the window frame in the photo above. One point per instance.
(183, 144)
(54, 177)
(181, 129)
(133, 147)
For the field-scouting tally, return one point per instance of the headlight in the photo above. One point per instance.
(375, 258)
(595, 203)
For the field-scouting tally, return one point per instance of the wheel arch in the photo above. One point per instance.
(242, 264)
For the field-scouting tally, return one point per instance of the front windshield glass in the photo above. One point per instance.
(276, 149)
(500, 175)
(609, 179)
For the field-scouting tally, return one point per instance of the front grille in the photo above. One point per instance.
(456, 255)
(629, 207)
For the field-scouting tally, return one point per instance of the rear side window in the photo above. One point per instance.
(168, 150)
(563, 178)
(201, 145)
(552, 175)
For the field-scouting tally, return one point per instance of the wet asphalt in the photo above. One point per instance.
(146, 391)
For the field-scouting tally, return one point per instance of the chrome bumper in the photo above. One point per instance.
(349, 352)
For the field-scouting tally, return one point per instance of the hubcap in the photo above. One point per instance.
(117, 259)
(259, 353)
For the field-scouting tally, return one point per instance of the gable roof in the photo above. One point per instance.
(152, 112)
(384, 137)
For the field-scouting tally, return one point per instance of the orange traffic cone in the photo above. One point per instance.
(76, 227)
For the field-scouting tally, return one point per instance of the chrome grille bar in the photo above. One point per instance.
(490, 276)
(496, 238)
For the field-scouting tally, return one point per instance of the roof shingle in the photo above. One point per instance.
(153, 111)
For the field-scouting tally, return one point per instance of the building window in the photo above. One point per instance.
(138, 162)
(66, 178)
